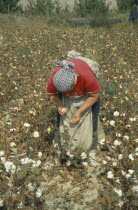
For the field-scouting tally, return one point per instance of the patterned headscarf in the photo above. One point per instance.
(64, 78)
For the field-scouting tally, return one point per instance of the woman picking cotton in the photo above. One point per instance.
(76, 90)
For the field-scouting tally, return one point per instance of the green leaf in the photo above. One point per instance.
(31, 178)
(35, 170)
(43, 116)
(74, 162)
(134, 202)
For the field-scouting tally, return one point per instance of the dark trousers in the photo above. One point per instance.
(95, 111)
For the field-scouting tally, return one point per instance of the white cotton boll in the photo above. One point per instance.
(110, 175)
(108, 158)
(48, 130)
(132, 119)
(114, 163)
(128, 126)
(31, 149)
(136, 153)
(34, 164)
(56, 145)
(102, 141)
(104, 162)
(135, 188)
(120, 204)
(122, 114)
(38, 163)
(20, 205)
(112, 122)
(131, 171)
(26, 161)
(12, 129)
(136, 140)
(40, 154)
(3, 160)
(36, 134)
(27, 125)
(123, 172)
(2, 153)
(68, 163)
(119, 192)
(70, 155)
(128, 176)
(117, 143)
(118, 134)
(117, 181)
(136, 150)
(19, 168)
(126, 137)
(83, 155)
(10, 167)
(39, 192)
(85, 164)
(131, 157)
(120, 156)
(12, 144)
(116, 113)
(1, 203)
(64, 110)
(31, 187)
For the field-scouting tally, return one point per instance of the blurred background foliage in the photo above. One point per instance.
(82, 8)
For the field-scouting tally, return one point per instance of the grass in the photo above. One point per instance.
(27, 48)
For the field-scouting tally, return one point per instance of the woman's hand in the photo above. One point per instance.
(62, 110)
(76, 117)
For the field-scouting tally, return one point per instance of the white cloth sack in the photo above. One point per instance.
(92, 64)
(81, 132)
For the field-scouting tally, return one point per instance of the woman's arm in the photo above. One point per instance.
(61, 109)
(93, 97)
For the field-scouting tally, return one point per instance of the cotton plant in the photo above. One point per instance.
(2, 153)
(39, 192)
(76, 157)
(118, 192)
(118, 134)
(110, 175)
(27, 125)
(132, 119)
(10, 167)
(102, 141)
(37, 163)
(112, 123)
(39, 154)
(26, 160)
(131, 157)
(1, 203)
(36, 134)
(31, 187)
(70, 152)
(12, 144)
(116, 114)
(117, 143)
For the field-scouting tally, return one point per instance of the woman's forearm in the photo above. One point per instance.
(60, 107)
(57, 100)
(93, 97)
